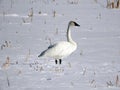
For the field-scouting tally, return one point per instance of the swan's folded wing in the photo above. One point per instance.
(51, 46)
(59, 50)
(45, 51)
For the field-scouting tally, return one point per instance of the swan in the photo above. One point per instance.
(63, 48)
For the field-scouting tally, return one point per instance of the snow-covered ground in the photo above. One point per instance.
(27, 27)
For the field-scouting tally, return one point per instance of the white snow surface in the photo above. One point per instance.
(27, 27)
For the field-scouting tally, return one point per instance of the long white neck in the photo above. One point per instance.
(69, 38)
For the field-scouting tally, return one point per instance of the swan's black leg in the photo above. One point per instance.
(56, 61)
(60, 61)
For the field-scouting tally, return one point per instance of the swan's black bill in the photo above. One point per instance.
(77, 24)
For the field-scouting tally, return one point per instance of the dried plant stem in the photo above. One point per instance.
(28, 55)
(109, 83)
(31, 14)
(6, 64)
(113, 3)
(8, 81)
(11, 3)
(93, 83)
(2, 46)
(6, 45)
(117, 81)
(118, 4)
(84, 71)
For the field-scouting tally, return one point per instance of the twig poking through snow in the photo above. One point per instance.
(5, 67)
(93, 83)
(28, 55)
(117, 81)
(31, 14)
(109, 83)
(8, 82)
(84, 71)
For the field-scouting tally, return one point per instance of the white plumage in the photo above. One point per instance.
(63, 48)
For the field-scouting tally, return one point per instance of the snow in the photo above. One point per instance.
(27, 27)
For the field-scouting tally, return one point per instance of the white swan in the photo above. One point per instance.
(63, 48)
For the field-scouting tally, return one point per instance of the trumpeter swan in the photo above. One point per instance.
(63, 48)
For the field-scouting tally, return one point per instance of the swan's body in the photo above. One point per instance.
(63, 48)
(59, 50)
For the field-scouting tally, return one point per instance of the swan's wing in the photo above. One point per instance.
(51, 46)
(43, 53)
(58, 50)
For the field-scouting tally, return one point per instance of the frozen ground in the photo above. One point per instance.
(27, 27)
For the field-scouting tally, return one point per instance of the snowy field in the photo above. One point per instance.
(27, 27)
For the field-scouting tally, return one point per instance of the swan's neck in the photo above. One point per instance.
(69, 38)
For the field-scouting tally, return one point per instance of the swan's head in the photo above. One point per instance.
(72, 23)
